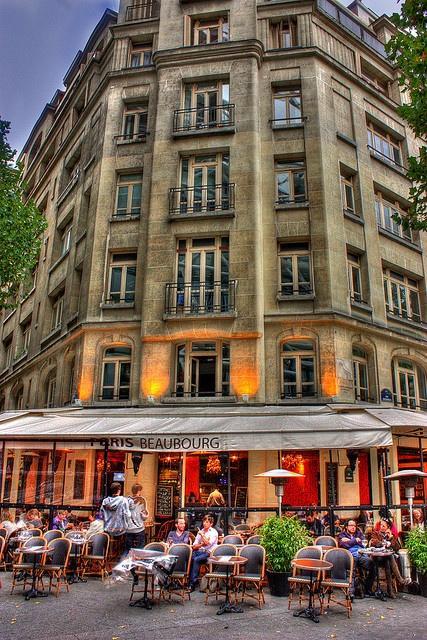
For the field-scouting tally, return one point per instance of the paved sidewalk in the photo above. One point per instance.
(94, 611)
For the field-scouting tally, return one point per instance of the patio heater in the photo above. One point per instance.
(409, 478)
(279, 477)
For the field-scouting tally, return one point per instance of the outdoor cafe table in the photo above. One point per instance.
(312, 565)
(143, 559)
(228, 562)
(33, 592)
(78, 540)
(377, 554)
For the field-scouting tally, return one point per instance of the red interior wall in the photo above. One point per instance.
(364, 488)
(192, 476)
(304, 491)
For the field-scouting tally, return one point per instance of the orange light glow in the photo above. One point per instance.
(85, 387)
(330, 383)
(155, 384)
(244, 379)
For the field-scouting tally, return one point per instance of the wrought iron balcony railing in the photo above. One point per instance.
(132, 137)
(217, 117)
(387, 159)
(202, 298)
(203, 199)
(143, 11)
(404, 315)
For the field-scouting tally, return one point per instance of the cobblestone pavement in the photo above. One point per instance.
(96, 611)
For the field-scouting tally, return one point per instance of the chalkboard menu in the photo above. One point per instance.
(164, 500)
(241, 498)
(332, 481)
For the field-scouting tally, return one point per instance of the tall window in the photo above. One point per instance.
(384, 145)
(347, 194)
(129, 190)
(402, 296)
(298, 369)
(122, 278)
(206, 104)
(287, 106)
(211, 30)
(409, 385)
(284, 33)
(295, 269)
(51, 391)
(354, 277)
(116, 374)
(205, 183)
(57, 311)
(66, 240)
(290, 182)
(7, 353)
(141, 55)
(385, 212)
(26, 336)
(135, 122)
(360, 374)
(203, 275)
(202, 369)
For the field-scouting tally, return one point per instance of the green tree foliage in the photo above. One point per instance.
(21, 225)
(408, 51)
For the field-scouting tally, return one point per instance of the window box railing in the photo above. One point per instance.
(143, 11)
(217, 117)
(123, 396)
(300, 291)
(201, 200)
(200, 299)
(284, 201)
(403, 315)
(299, 395)
(398, 232)
(410, 403)
(202, 394)
(132, 137)
(129, 300)
(125, 216)
(357, 299)
(384, 158)
(276, 123)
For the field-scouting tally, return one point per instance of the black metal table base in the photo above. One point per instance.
(144, 603)
(228, 607)
(34, 593)
(312, 613)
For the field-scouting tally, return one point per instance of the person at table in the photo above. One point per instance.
(96, 525)
(351, 538)
(60, 522)
(383, 537)
(314, 524)
(181, 535)
(205, 541)
(33, 519)
(418, 519)
(9, 524)
(135, 532)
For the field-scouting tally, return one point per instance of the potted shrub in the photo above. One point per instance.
(281, 539)
(416, 542)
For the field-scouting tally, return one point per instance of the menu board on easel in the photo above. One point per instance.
(164, 501)
(241, 498)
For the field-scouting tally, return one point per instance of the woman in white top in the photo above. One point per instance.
(8, 523)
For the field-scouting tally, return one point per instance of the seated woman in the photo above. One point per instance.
(383, 536)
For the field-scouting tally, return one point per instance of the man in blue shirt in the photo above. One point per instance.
(352, 540)
(180, 535)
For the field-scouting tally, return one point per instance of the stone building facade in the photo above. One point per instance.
(219, 181)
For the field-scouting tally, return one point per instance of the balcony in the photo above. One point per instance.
(215, 119)
(204, 298)
(201, 201)
(143, 11)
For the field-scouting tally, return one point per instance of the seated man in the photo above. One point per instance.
(351, 539)
(206, 540)
(181, 535)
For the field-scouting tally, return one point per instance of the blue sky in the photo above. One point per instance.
(38, 41)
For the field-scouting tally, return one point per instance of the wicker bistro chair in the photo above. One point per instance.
(181, 573)
(233, 539)
(340, 577)
(52, 534)
(94, 557)
(35, 532)
(252, 573)
(157, 546)
(256, 539)
(217, 572)
(326, 541)
(56, 563)
(24, 562)
(2, 553)
(3, 533)
(301, 578)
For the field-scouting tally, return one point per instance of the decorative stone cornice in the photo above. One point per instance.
(232, 50)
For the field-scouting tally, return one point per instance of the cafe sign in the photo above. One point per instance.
(160, 443)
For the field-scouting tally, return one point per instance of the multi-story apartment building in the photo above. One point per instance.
(221, 260)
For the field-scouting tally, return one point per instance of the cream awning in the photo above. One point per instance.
(202, 428)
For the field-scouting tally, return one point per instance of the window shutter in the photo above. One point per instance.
(187, 30)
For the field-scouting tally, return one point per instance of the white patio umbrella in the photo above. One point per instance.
(279, 477)
(410, 477)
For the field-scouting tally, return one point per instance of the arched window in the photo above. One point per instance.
(19, 398)
(202, 369)
(51, 390)
(116, 373)
(298, 369)
(360, 374)
(409, 385)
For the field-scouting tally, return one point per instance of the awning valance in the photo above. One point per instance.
(210, 428)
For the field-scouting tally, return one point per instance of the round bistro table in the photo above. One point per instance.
(377, 555)
(313, 566)
(228, 562)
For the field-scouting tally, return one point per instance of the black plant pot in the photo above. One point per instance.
(278, 583)
(422, 581)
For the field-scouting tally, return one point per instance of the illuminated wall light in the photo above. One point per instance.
(85, 387)
(245, 380)
(330, 385)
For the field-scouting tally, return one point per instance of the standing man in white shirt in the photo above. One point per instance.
(206, 540)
